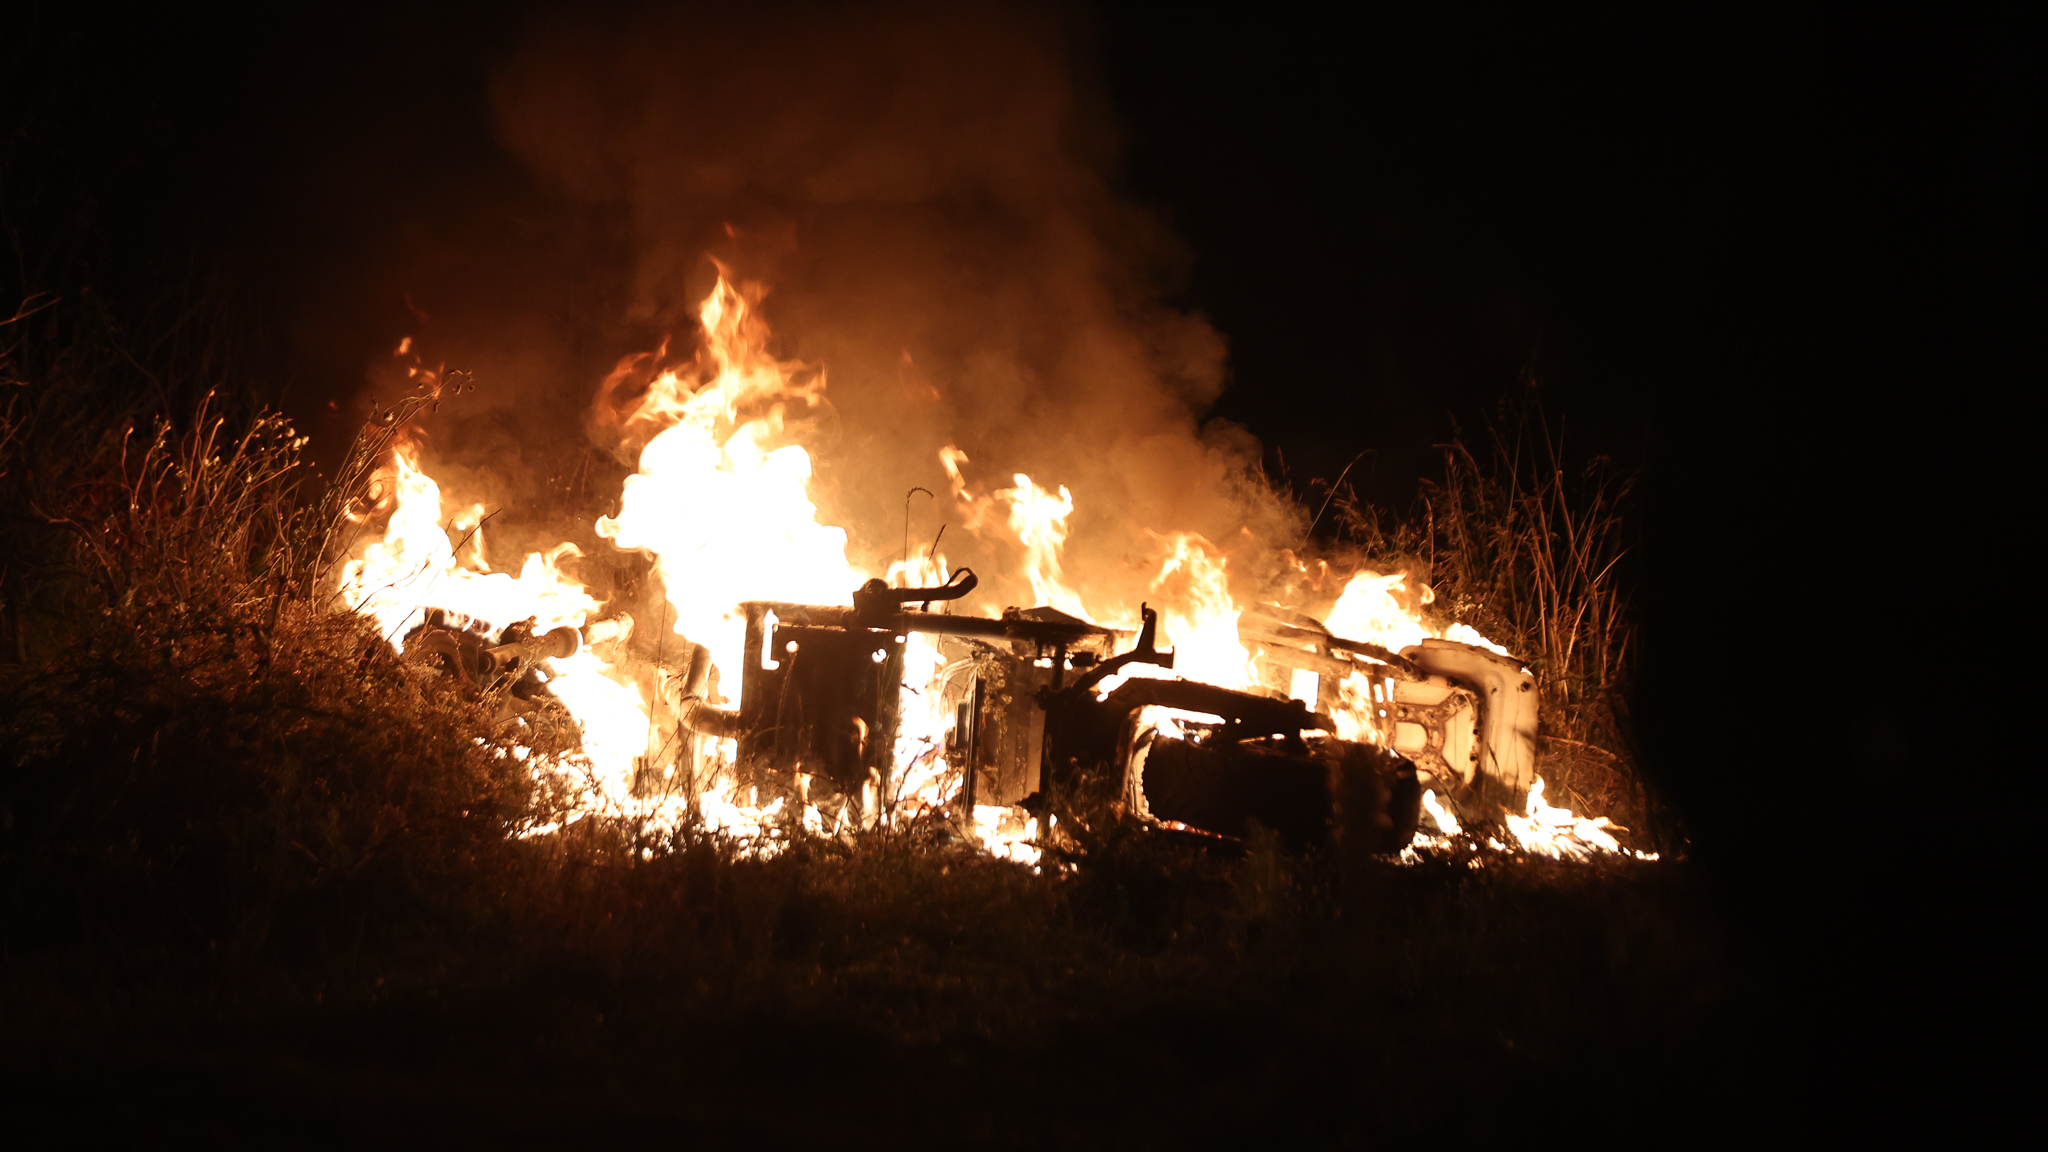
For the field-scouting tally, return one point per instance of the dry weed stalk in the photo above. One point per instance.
(188, 518)
(188, 725)
(347, 504)
(1531, 553)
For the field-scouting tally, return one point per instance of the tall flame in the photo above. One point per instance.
(1039, 519)
(1198, 614)
(722, 502)
(722, 497)
(416, 566)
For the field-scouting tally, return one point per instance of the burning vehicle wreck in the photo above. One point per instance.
(1045, 710)
(775, 682)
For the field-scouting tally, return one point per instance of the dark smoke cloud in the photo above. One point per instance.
(928, 192)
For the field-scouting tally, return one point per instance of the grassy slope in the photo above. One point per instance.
(902, 987)
(256, 876)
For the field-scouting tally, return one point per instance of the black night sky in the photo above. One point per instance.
(1772, 260)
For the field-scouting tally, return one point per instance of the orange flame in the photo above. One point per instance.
(722, 502)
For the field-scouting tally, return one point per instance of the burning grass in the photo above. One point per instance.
(243, 835)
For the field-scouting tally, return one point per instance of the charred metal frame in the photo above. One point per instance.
(820, 689)
(509, 660)
(1464, 714)
(1254, 760)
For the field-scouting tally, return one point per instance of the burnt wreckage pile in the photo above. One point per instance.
(821, 690)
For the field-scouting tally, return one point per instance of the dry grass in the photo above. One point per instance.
(196, 749)
(1533, 554)
(894, 987)
(239, 833)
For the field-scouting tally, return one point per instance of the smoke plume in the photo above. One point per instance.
(927, 192)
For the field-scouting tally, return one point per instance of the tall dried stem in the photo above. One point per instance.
(1533, 554)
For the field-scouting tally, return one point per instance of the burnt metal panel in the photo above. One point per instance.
(820, 701)
(1506, 694)
(1458, 710)
(1012, 740)
(821, 686)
